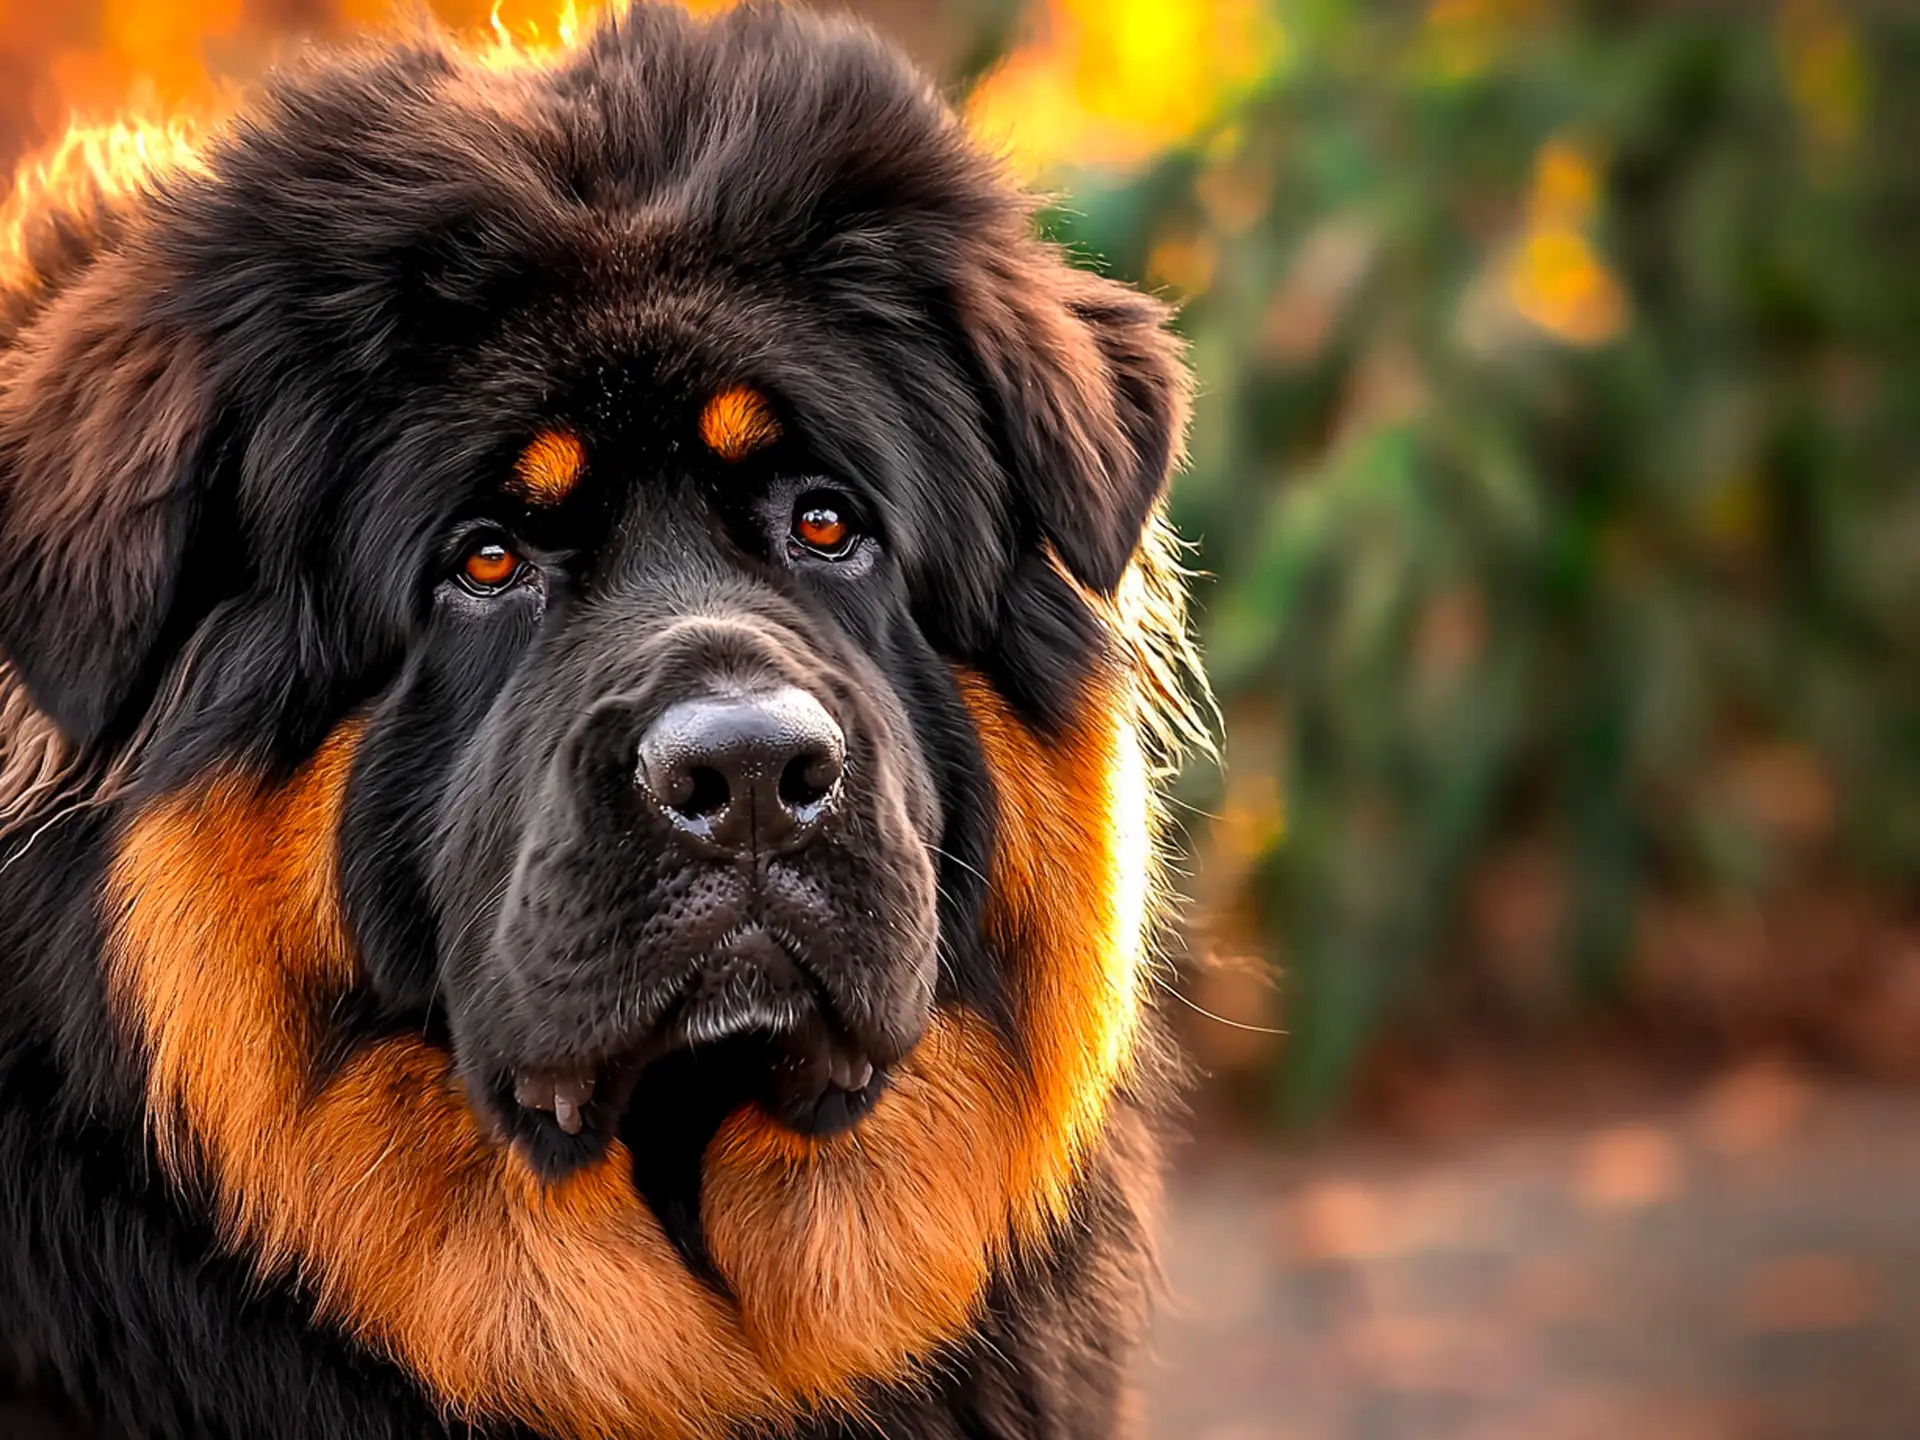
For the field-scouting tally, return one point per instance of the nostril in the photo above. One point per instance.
(707, 793)
(682, 785)
(809, 778)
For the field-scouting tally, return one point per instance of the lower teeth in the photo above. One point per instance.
(849, 1072)
(560, 1093)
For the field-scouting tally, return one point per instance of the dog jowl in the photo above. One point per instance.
(584, 648)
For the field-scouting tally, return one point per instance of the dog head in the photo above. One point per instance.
(626, 574)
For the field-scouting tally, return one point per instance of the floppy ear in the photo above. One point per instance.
(103, 420)
(1091, 392)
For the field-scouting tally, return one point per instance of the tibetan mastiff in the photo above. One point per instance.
(588, 646)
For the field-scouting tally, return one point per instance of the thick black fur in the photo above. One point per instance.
(249, 424)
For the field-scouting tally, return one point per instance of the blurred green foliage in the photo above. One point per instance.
(1557, 463)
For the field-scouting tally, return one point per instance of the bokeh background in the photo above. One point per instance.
(1553, 968)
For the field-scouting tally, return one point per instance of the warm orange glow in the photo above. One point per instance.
(102, 96)
(87, 65)
(1095, 81)
(1110, 82)
(520, 34)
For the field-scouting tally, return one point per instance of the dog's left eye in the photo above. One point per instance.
(823, 526)
(490, 566)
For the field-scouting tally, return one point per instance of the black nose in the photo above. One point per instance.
(747, 773)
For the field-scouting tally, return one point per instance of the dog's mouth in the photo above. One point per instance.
(810, 1076)
(712, 1052)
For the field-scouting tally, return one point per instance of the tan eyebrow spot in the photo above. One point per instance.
(737, 422)
(549, 468)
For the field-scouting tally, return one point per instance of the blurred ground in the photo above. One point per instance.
(1737, 1262)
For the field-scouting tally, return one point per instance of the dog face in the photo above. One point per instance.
(651, 780)
(610, 580)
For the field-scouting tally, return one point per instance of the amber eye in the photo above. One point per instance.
(822, 526)
(488, 567)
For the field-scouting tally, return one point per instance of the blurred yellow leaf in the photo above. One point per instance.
(1826, 71)
(1566, 187)
(1559, 285)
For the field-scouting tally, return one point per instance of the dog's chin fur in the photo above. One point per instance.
(381, 1053)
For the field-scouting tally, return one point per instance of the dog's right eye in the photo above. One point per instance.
(489, 566)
